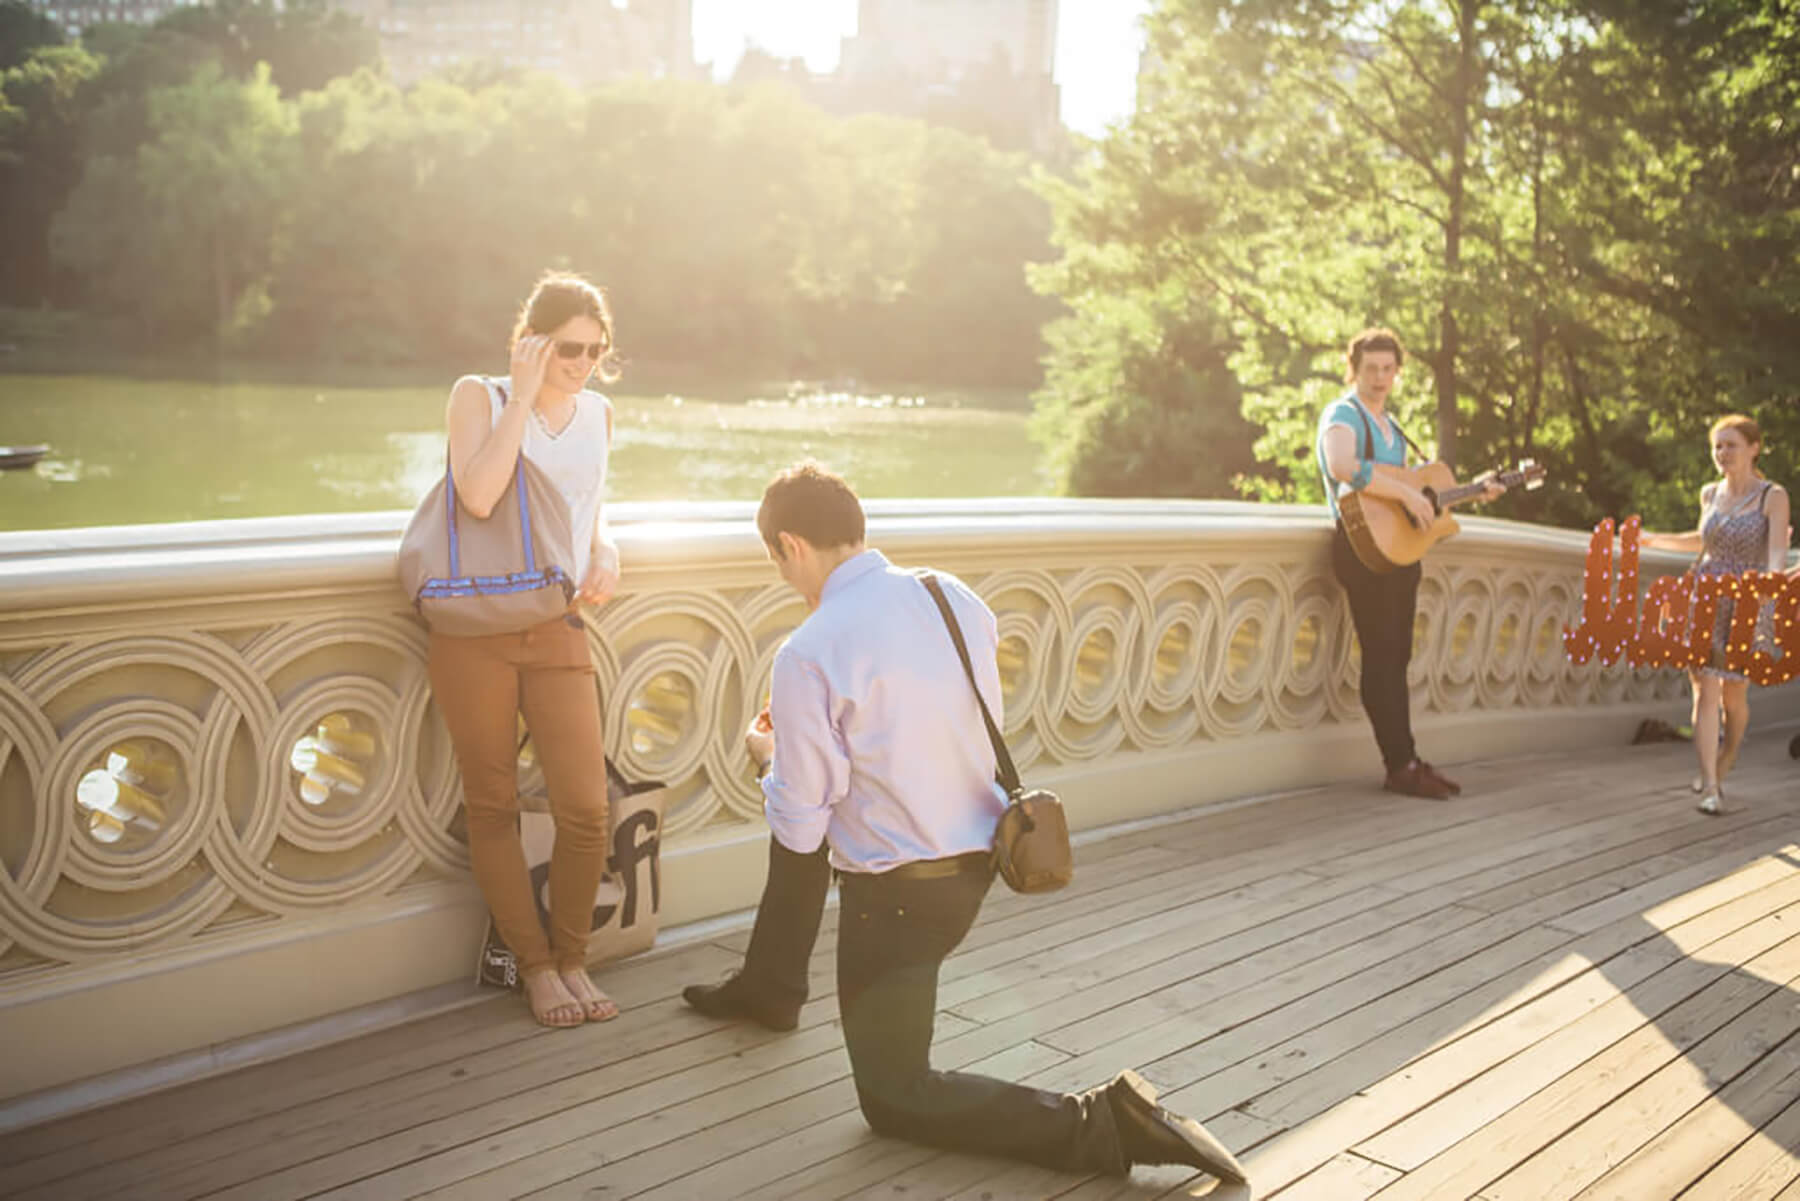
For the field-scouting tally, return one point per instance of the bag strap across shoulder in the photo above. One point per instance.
(519, 490)
(1007, 773)
(496, 391)
(1369, 434)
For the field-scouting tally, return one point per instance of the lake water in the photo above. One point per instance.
(126, 450)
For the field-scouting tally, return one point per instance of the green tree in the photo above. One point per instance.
(180, 233)
(968, 306)
(1139, 397)
(1687, 159)
(917, 270)
(1548, 199)
(307, 43)
(23, 30)
(40, 160)
(740, 230)
(418, 218)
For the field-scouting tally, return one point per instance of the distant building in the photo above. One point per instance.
(76, 15)
(984, 64)
(947, 39)
(584, 41)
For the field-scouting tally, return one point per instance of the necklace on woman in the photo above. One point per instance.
(544, 422)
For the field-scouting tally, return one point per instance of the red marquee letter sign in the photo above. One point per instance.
(1753, 590)
(1680, 614)
(1662, 638)
(1609, 618)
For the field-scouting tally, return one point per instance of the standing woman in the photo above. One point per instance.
(545, 412)
(1743, 527)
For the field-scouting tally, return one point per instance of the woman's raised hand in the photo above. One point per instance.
(530, 359)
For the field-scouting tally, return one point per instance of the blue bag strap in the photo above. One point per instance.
(524, 497)
(450, 517)
(524, 512)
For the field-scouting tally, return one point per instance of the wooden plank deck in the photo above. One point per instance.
(1567, 984)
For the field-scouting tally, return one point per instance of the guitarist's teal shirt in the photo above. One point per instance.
(1347, 410)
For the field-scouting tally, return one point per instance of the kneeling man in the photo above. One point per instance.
(878, 750)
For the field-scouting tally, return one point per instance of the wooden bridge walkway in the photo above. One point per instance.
(1566, 984)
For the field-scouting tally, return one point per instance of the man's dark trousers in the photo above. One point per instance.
(893, 935)
(787, 925)
(1382, 608)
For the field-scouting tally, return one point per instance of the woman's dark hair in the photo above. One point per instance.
(1377, 338)
(559, 296)
(810, 502)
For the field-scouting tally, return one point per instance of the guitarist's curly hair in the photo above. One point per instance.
(1375, 338)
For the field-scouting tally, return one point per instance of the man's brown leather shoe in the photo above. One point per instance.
(1441, 778)
(733, 999)
(1150, 1134)
(1415, 779)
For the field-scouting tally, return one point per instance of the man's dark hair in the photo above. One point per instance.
(1377, 338)
(810, 502)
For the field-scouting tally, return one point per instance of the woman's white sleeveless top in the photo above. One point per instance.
(575, 460)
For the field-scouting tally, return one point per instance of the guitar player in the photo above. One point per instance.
(1356, 434)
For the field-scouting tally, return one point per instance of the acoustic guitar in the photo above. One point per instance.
(1385, 534)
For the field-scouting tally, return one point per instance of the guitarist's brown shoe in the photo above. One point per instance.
(1415, 779)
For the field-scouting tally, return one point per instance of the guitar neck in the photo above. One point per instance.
(1467, 492)
(1460, 494)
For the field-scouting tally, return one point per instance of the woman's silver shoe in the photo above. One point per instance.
(1710, 806)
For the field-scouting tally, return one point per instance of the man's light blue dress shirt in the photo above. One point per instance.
(879, 745)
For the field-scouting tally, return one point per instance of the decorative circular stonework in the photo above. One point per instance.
(125, 800)
(335, 759)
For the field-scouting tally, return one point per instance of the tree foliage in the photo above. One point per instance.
(186, 219)
(1584, 229)
(40, 160)
(244, 177)
(23, 30)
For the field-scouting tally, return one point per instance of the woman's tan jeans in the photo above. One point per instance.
(479, 685)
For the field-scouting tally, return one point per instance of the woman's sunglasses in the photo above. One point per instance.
(574, 350)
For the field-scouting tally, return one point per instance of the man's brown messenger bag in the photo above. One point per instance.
(1031, 843)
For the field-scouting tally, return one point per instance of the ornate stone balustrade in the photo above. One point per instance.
(227, 804)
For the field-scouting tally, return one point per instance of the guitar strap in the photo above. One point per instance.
(1369, 435)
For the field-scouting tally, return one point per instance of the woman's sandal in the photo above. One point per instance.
(596, 1006)
(567, 1004)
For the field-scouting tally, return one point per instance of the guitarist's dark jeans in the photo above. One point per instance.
(1382, 608)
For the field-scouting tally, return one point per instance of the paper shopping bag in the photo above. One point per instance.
(630, 893)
